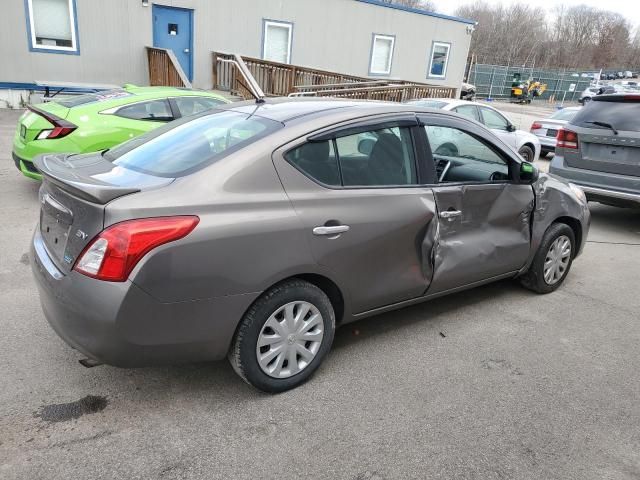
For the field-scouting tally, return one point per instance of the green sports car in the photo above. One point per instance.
(98, 121)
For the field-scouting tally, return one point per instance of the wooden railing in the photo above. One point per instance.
(164, 69)
(281, 79)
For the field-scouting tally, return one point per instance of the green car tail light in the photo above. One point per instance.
(61, 127)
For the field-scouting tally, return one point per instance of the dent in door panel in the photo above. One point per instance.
(491, 237)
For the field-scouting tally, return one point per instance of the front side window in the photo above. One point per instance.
(381, 54)
(493, 119)
(52, 25)
(276, 42)
(155, 111)
(439, 60)
(461, 157)
(376, 158)
(191, 143)
(192, 105)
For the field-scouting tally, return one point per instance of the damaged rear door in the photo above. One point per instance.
(484, 215)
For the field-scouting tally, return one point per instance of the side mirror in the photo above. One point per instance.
(365, 146)
(511, 128)
(528, 173)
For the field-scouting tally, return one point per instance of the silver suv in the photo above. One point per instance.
(599, 150)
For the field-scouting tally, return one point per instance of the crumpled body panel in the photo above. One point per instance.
(490, 237)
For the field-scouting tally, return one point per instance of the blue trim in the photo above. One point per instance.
(373, 41)
(42, 49)
(380, 3)
(264, 33)
(430, 61)
(34, 87)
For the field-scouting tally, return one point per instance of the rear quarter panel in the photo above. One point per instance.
(248, 238)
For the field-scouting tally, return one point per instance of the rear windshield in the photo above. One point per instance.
(623, 116)
(564, 114)
(94, 97)
(428, 103)
(189, 144)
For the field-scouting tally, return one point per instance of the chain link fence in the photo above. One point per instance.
(495, 81)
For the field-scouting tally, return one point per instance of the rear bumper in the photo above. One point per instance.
(26, 167)
(600, 186)
(120, 324)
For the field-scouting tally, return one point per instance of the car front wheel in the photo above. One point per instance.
(527, 153)
(552, 261)
(283, 337)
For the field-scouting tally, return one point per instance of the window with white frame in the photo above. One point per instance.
(52, 25)
(381, 54)
(276, 41)
(439, 59)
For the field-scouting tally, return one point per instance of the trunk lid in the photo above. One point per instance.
(73, 196)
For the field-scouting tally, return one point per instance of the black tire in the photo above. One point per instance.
(533, 279)
(527, 153)
(242, 354)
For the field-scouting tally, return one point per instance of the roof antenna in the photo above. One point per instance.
(249, 82)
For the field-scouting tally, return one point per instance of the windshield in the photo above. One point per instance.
(189, 144)
(621, 115)
(429, 103)
(565, 114)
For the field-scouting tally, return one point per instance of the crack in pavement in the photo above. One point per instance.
(614, 243)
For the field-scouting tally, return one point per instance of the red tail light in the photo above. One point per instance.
(567, 139)
(536, 126)
(61, 127)
(113, 254)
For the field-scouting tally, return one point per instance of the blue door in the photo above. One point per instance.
(173, 29)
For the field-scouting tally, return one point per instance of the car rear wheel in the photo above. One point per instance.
(552, 261)
(284, 337)
(527, 153)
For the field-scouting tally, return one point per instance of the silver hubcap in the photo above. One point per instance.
(290, 339)
(557, 260)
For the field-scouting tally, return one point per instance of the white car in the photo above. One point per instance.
(525, 143)
(546, 129)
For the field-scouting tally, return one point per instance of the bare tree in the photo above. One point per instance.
(571, 37)
(427, 5)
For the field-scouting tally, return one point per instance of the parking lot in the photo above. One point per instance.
(492, 383)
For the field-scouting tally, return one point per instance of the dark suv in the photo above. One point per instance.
(599, 150)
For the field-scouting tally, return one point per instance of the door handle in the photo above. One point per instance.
(333, 230)
(449, 214)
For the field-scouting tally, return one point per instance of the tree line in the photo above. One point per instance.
(571, 37)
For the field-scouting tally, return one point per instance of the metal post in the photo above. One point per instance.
(493, 70)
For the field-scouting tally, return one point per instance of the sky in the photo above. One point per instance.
(629, 8)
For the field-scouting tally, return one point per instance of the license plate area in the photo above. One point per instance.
(54, 234)
(552, 133)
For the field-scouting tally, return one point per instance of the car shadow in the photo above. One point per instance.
(615, 218)
(427, 312)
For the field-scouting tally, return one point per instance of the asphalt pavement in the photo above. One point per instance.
(492, 383)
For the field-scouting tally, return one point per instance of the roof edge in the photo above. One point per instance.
(381, 3)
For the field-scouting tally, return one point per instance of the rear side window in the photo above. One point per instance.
(154, 110)
(191, 143)
(383, 157)
(192, 105)
(621, 115)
